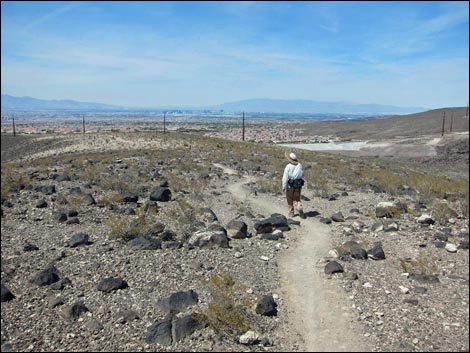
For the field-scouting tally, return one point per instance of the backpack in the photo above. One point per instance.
(296, 184)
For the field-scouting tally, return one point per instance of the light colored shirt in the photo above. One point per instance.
(292, 171)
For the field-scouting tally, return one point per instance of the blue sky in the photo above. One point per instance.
(203, 53)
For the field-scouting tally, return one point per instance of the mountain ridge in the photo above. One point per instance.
(255, 105)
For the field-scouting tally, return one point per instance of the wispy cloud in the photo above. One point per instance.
(415, 35)
(49, 16)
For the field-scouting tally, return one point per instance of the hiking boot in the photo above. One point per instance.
(302, 214)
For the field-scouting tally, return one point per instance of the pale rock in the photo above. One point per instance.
(451, 247)
(249, 338)
(403, 289)
(333, 253)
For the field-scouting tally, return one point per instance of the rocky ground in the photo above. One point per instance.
(126, 257)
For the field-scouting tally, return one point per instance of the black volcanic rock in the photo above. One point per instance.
(266, 306)
(6, 294)
(110, 284)
(178, 301)
(78, 240)
(45, 277)
(376, 252)
(276, 221)
(160, 194)
(333, 267)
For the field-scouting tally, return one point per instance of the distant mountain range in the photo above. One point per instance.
(11, 103)
(275, 106)
(303, 106)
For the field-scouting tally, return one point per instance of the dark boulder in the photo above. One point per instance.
(161, 194)
(75, 310)
(60, 216)
(237, 229)
(333, 267)
(78, 240)
(266, 306)
(41, 204)
(30, 247)
(337, 217)
(325, 220)
(89, 200)
(145, 243)
(276, 221)
(160, 332)
(186, 325)
(178, 301)
(6, 294)
(376, 252)
(110, 284)
(47, 276)
(129, 197)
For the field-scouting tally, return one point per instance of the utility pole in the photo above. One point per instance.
(451, 120)
(83, 122)
(243, 131)
(443, 122)
(14, 130)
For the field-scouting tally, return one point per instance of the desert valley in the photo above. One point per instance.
(139, 239)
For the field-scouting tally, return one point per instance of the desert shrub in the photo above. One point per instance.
(120, 183)
(91, 174)
(75, 201)
(320, 184)
(422, 264)
(442, 212)
(128, 227)
(387, 181)
(393, 212)
(11, 177)
(182, 215)
(228, 311)
(111, 198)
(185, 183)
(119, 225)
(464, 207)
(62, 199)
(268, 185)
(437, 187)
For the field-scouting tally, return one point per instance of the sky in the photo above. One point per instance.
(151, 54)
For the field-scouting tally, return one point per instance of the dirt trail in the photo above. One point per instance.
(318, 310)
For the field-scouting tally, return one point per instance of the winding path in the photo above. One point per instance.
(318, 309)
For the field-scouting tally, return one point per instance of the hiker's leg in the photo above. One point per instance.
(296, 199)
(298, 204)
(290, 201)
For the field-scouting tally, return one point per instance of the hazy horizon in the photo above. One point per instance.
(153, 54)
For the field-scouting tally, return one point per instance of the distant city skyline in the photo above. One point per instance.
(153, 54)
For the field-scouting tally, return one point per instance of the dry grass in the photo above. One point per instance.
(228, 311)
(422, 264)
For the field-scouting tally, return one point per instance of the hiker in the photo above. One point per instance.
(292, 182)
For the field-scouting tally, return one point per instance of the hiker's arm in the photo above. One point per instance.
(285, 178)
